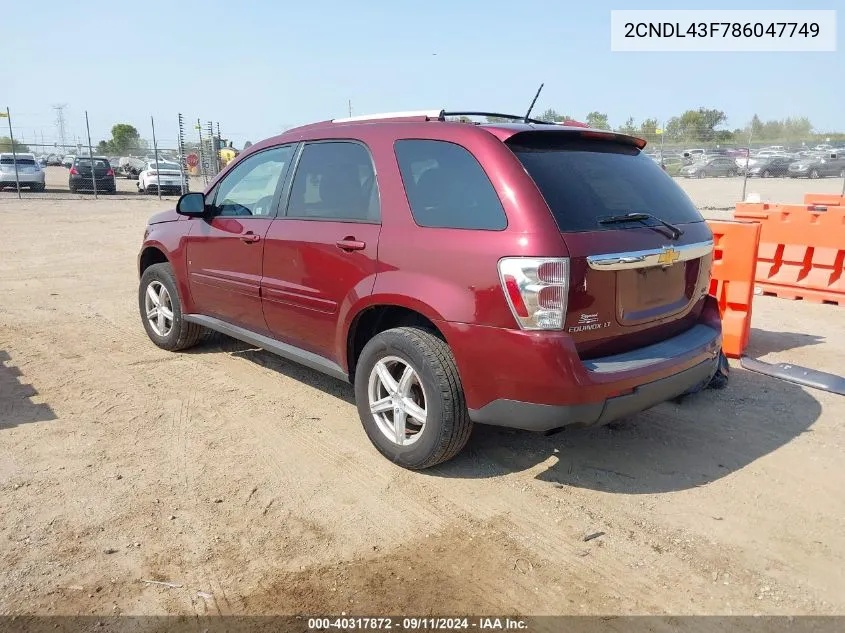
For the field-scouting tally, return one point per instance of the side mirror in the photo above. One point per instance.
(191, 204)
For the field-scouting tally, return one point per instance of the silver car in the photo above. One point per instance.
(29, 172)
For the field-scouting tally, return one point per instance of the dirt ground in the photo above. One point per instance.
(249, 482)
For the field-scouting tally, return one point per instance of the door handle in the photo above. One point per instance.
(250, 237)
(351, 244)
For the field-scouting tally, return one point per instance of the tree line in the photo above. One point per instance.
(704, 125)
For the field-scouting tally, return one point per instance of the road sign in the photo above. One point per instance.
(192, 159)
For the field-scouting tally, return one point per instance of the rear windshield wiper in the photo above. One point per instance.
(639, 217)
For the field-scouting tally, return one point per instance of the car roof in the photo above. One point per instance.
(430, 124)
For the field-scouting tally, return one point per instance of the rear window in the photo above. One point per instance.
(584, 181)
(21, 161)
(447, 188)
(99, 163)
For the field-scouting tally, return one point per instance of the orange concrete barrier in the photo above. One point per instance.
(732, 280)
(824, 199)
(802, 250)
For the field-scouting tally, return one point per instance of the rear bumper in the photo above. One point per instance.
(531, 416)
(536, 380)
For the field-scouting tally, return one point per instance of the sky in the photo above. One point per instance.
(260, 67)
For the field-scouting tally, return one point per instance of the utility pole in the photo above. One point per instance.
(350, 107)
(60, 121)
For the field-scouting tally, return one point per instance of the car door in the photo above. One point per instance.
(320, 253)
(225, 249)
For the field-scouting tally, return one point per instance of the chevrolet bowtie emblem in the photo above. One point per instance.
(668, 256)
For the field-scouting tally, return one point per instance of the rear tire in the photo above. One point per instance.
(814, 174)
(700, 174)
(765, 173)
(434, 389)
(174, 332)
(37, 188)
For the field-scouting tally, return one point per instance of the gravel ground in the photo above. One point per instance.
(236, 474)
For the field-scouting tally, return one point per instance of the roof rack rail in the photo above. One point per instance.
(514, 117)
(425, 114)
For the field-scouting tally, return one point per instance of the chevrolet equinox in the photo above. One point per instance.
(517, 274)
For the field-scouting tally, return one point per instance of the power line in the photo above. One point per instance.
(60, 120)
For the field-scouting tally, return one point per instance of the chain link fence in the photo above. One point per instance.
(162, 158)
(167, 156)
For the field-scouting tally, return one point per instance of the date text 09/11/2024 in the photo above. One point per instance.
(722, 29)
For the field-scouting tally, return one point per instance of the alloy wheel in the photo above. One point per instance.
(159, 308)
(397, 400)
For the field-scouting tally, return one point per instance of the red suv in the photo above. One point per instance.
(516, 274)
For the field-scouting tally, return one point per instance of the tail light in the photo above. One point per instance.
(536, 289)
(73, 171)
(110, 172)
(152, 173)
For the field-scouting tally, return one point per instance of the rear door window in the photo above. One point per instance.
(446, 186)
(335, 181)
(586, 180)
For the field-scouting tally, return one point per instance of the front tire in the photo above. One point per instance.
(700, 174)
(161, 310)
(410, 398)
(814, 174)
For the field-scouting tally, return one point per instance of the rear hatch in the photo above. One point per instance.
(25, 165)
(101, 167)
(632, 282)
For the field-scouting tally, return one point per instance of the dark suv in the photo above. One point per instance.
(523, 275)
(80, 175)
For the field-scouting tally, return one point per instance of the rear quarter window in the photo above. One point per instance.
(446, 186)
(585, 180)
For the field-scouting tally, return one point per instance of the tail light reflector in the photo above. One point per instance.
(110, 172)
(73, 171)
(536, 289)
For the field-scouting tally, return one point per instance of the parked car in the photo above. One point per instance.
(29, 172)
(80, 179)
(818, 166)
(68, 160)
(672, 165)
(54, 160)
(710, 166)
(771, 166)
(557, 276)
(131, 167)
(168, 176)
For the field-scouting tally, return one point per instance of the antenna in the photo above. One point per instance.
(533, 101)
(60, 120)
